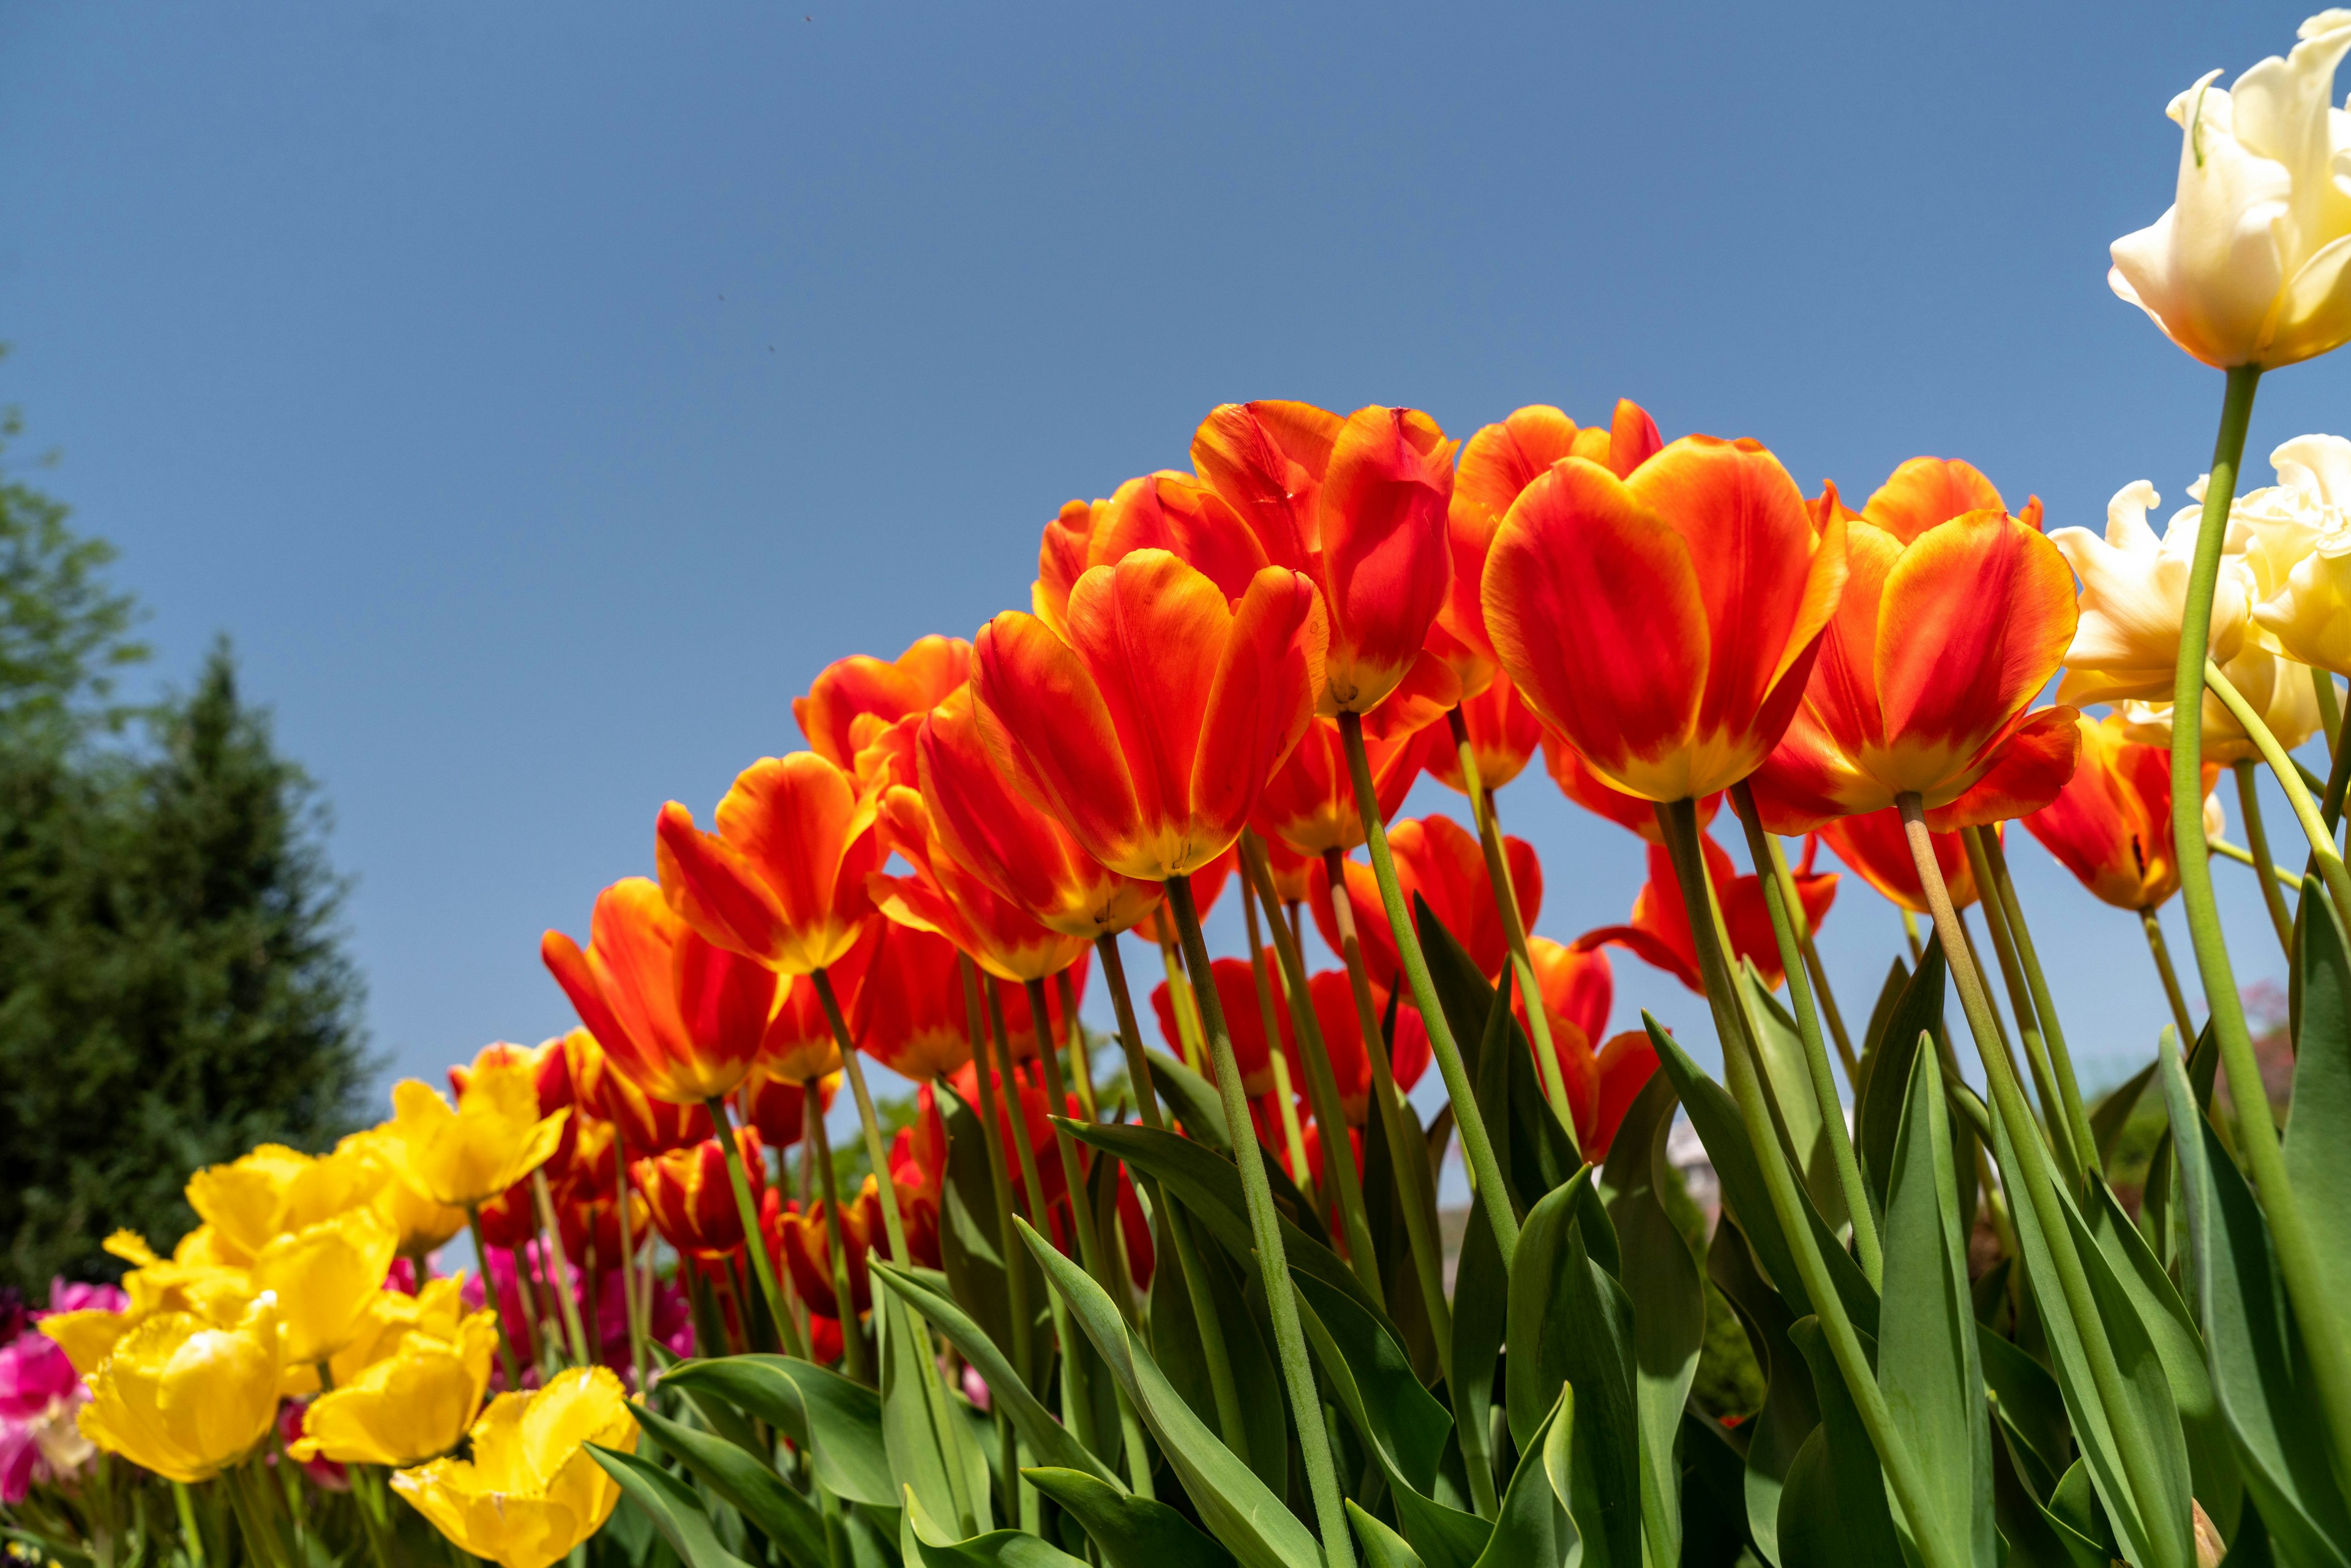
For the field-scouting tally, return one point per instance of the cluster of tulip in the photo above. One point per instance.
(1233, 675)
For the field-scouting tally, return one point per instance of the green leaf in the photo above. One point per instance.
(1535, 1152)
(1237, 1508)
(1383, 1547)
(1534, 1527)
(2112, 1112)
(1832, 1511)
(1881, 1012)
(837, 1421)
(1481, 1312)
(1790, 1081)
(934, 1546)
(1571, 1324)
(2146, 1385)
(1193, 1100)
(2317, 1152)
(1131, 1532)
(971, 1243)
(2026, 1399)
(1916, 1011)
(2259, 1364)
(1372, 1379)
(921, 1455)
(675, 1512)
(1928, 1363)
(1048, 1439)
(1791, 1410)
(1660, 1273)
(755, 1490)
(1716, 1117)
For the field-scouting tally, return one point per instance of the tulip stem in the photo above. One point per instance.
(1420, 1239)
(2330, 708)
(490, 1295)
(2244, 857)
(2153, 926)
(853, 1350)
(2052, 1034)
(1514, 927)
(1477, 1145)
(1082, 1067)
(1130, 1034)
(2033, 1178)
(2071, 1144)
(1265, 1226)
(2314, 826)
(534, 1307)
(754, 1238)
(2257, 839)
(1866, 1245)
(1014, 1455)
(1285, 1099)
(1179, 998)
(1814, 971)
(562, 1277)
(2339, 780)
(1341, 1185)
(1743, 1066)
(628, 1264)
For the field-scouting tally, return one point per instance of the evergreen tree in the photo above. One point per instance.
(172, 990)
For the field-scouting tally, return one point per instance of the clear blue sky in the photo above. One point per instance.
(540, 394)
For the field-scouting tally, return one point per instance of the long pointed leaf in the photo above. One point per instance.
(1131, 1532)
(1660, 1274)
(757, 1493)
(839, 1422)
(677, 1512)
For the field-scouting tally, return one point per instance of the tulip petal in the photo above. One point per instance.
(2027, 772)
(1497, 464)
(1258, 708)
(1036, 688)
(1177, 513)
(1266, 460)
(1925, 491)
(711, 887)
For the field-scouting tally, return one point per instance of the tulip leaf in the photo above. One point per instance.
(1832, 1509)
(1193, 1100)
(1881, 1012)
(922, 1456)
(1791, 1410)
(971, 1243)
(1481, 1314)
(2146, 1385)
(1928, 1362)
(1383, 1547)
(1716, 1117)
(837, 1421)
(675, 1509)
(2260, 1367)
(2317, 1153)
(2112, 1112)
(1208, 1187)
(928, 1543)
(1131, 1532)
(1534, 1527)
(1372, 1379)
(1660, 1273)
(1914, 1018)
(1048, 1439)
(1238, 1509)
(757, 1494)
(1714, 1502)
(1248, 1335)
(1791, 1083)
(2028, 1406)
(1571, 1324)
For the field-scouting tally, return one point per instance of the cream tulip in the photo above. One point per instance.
(2300, 552)
(2133, 591)
(2252, 265)
(2279, 690)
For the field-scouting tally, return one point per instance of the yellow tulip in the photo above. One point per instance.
(2279, 690)
(2133, 591)
(421, 1223)
(2253, 264)
(274, 1190)
(184, 1397)
(493, 1139)
(87, 1337)
(195, 1279)
(531, 1491)
(325, 1276)
(409, 1406)
(392, 1317)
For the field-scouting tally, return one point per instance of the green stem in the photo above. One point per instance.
(1514, 929)
(2257, 840)
(2305, 811)
(490, 1294)
(2339, 780)
(1179, 998)
(1081, 1069)
(2153, 926)
(2330, 708)
(2052, 1034)
(1286, 1099)
(844, 1304)
(754, 1240)
(1742, 1065)
(1265, 1227)
(1477, 1145)
(2130, 1436)
(1808, 1030)
(2244, 857)
(1420, 1242)
(1814, 971)
(1341, 1183)
(1016, 1274)
(2072, 1152)
(560, 1275)
(629, 1266)
(533, 1308)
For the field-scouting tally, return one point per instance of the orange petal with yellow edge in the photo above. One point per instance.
(1267, 459)
(1059, 732)
(1497, 463)
(2029, 771)
(1925, 491)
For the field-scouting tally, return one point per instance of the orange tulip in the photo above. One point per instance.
(1167, 510)
(1358, 505)
(854, 699)
(944, 898)
(1874, 845)
(692, 1198)
(779, 1106)
(1441, 862)
(1500, 460)
(588, 1212)
(1942, 639)
(1665, 624)
(1502, 736)
(918, 1167)
(2111, 824)
(679, 1017)
(1020, 1023)
(1577, 992)
(1290, 871)
(1236, 982)
(908, 1014)
(783, 878)
(644, 1125)
(1309, 804)
(1151, 733)
(1619, 1072)
(1035, 1125)
(1577, 985)
(1015, 846)
(800, 1046)
(1660, 932)
(1580, 784)
(797, 1239)
(1061, 559)
(1333, 998)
